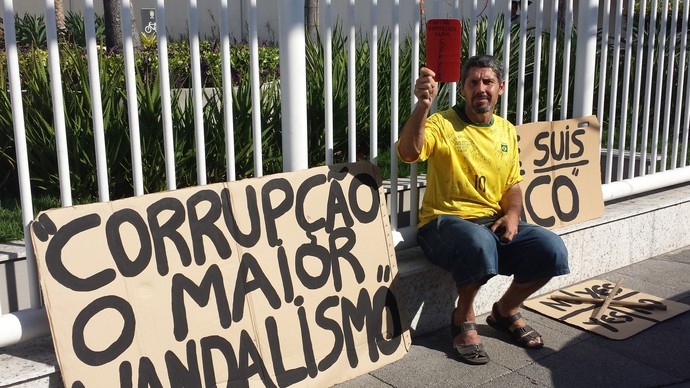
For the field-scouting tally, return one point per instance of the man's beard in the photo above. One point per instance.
(483, 108)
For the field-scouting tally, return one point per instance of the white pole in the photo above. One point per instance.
(585, 61)
(522, 64)
(658, 180)
(351, 87)
(566, 57)
(166, 104)
(21, 150)
(536, 83)
(197, 90)
(256, 89)
(395, 76)
(293, 85)
(227, 92)
(373, 83)
(96, 103)
(132, 104)
(23, 325)
(328, 81)
(58, 104)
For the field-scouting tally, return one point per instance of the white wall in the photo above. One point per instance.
(177, 12)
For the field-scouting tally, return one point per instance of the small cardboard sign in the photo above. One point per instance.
(273, 281)
(444, 48)
(617, 322)
(559, 162)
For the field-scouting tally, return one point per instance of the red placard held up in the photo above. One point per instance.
(443, 48)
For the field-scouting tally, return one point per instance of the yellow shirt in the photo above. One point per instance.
(470, 165)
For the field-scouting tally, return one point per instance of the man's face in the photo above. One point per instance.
(482, 89)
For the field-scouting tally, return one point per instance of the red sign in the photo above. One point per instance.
(444, 48)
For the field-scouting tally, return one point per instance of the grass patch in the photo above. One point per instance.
(11, 226)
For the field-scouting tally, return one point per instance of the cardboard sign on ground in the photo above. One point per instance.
(444, 48)
(616, 322)
(559, 161)
(275, 281)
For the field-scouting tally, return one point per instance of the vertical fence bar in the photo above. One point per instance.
(328, 79)
(21, 150)
(567, 47)
(626, 88)
(453, 92)
(373, 83)
(227, 91)
(639, 59)
(648, 86)
(506, 56)
(414, 189)
(584, 60)
(395, 61)
(491, 22)
(551, 78)
(472, 50)
(661, 57)
(538, 28)
(256, 89)
(132, 104)
(683, 71)
(166, 104)
(603, 58)
(293, 85)
(677, 123)
(96, 103)
(58, 104)
(351, 87)
(615, 58)
(197, 90)
(669, 88)
(521, 64)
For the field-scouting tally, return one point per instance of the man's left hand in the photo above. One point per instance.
(506, 227)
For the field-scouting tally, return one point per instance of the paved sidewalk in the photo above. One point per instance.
(656, 357)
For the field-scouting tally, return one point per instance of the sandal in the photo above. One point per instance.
(521, 335)
(473, 354)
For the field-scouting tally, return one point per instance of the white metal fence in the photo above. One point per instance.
(624, 61)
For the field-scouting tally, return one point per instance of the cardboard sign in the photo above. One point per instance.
(559, 162)
(444, 48)
(274, 281)
(617, 322)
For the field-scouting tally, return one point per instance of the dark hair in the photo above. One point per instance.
(482, 61)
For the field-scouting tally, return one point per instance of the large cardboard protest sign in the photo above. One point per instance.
(559, 161)
(275, 281)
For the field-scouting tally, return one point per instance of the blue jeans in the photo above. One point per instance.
(472, 253)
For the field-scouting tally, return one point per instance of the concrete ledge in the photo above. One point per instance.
(30, 364)
(628, 232)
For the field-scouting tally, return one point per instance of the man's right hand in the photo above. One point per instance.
(426, 88)
(412, 138)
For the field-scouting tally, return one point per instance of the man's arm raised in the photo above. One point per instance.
(412, 137)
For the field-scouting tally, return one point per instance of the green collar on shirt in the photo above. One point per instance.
(459, 109)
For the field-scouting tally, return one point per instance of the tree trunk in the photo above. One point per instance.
(59, 15)
(112, 13)
(311, 18)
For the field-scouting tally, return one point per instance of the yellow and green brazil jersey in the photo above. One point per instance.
(470, 166)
